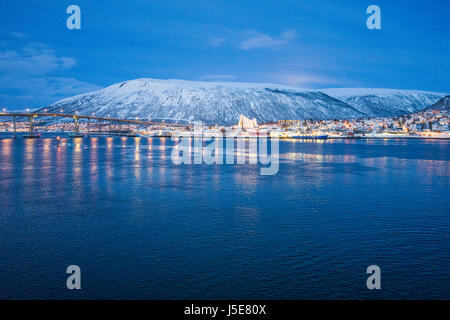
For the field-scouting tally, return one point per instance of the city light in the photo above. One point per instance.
(433, 123)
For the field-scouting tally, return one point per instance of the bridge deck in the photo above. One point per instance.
(77, 116)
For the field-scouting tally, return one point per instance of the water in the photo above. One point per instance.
(141, 227)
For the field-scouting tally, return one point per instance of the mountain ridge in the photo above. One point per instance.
(379, 102)
(442, 104)
(224, 102)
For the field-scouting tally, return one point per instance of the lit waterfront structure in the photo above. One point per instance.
(431, 123)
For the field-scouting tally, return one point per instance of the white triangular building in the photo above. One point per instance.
(246, 123)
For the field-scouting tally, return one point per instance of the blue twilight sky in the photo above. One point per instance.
(311, 44)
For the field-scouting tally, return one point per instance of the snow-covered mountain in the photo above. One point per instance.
(384, 102)
(224, 102)
(443, 104)
(209, 102)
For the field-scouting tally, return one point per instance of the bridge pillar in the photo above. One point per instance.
(89, 126)
(14, 126)
(31, 122)
(77, 126)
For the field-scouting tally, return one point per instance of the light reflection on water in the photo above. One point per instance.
(122, 210)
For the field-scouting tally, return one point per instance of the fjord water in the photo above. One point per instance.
(142, 227)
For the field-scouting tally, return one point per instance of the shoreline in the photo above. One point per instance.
(401, 137)
(3, 136)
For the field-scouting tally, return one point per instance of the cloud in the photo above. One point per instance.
(18, 35)
(34, 59)
(30, 76)
(304, 79)
(50, 86)
(216, 42)
(37, 91)
(260, 40)
(218, 77)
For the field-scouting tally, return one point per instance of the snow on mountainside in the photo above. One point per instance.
(443, 104)
(384, 102)
(223, 103)
(210, 102)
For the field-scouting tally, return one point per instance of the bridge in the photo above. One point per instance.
(76, 117)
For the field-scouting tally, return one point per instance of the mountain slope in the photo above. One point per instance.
(209, 102)
(443, 104)
(384, 102)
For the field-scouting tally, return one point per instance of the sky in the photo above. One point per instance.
(309, 44)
